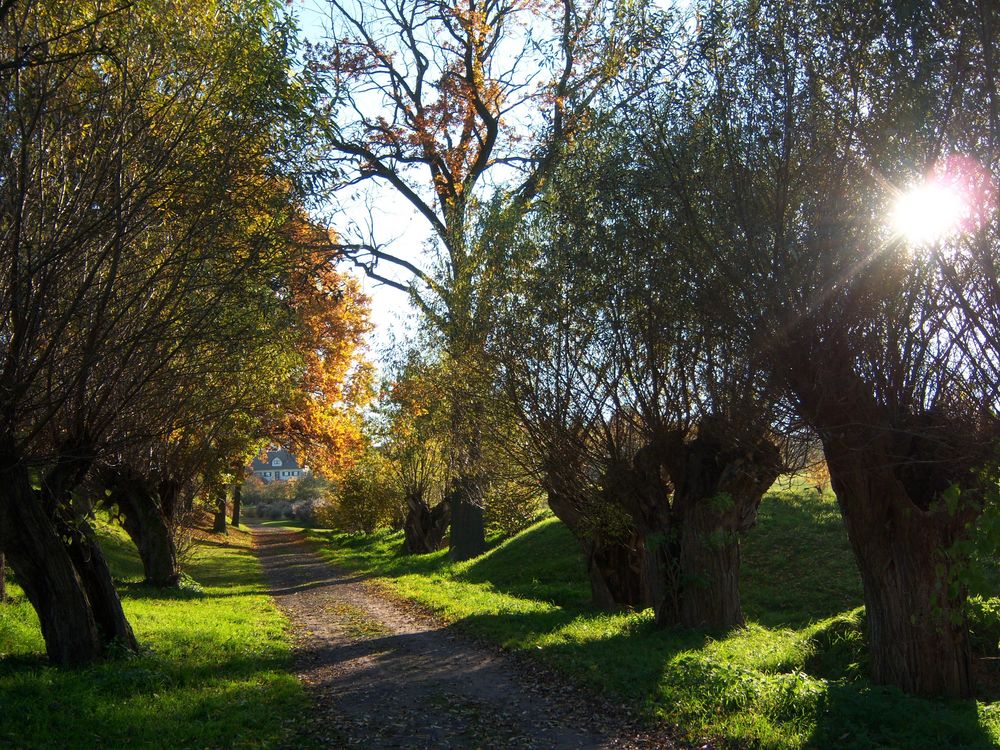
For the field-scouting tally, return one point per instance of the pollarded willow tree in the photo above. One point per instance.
(787, 154)
(654, 433)
(443, 102)
(137, 173)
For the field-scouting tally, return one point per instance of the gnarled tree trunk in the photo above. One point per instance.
(92, 568)
(615, 570)
(425, 527)
(149, 530)
(917, 632)
(889, 477)
(468, 523)
(614, 566)
(717, 490)
(146, 524)
(638, 488)
(237, 502)
(219, 526)
(43, 567)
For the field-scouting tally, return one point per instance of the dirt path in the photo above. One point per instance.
(383, 675)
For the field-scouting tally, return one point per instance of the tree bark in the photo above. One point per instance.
(718, 487)
(888, 479)
(92, 568)
(44, 569)
(615, 571)
(169, 493)
(237, 503)
(219, 527)
(917, 631)
(425, 527)
(614, 566)
(639, 489)
(468, 524)
(142, 515)
(3, 578)
(147, 526)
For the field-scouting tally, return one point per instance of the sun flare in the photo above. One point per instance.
(928, 213)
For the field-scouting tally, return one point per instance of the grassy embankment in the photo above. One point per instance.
(794, 677)
(214, 672)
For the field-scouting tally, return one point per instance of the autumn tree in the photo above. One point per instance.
(135, 150)
(441, 102)
(415, 439)
(323, 418)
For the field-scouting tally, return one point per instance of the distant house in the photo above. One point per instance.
(277, 465)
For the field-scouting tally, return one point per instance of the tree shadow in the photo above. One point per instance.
(147, 702)
(798, 566)
(861, 716)
(625, 660)
(552, 556)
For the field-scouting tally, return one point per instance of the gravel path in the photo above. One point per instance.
(384, 675)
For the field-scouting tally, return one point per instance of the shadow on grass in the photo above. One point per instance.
(672, 674)
(860, 716)
(623, 660)
(552, 556)
(798, 566)
(147, 702)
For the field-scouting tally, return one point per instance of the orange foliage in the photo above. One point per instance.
(324, 422)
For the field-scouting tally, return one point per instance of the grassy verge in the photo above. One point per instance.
(214, 672)
(793, 678)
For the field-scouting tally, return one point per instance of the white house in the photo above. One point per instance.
(277, 465)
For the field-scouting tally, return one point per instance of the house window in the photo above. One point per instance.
(276, 462)
(267, 474)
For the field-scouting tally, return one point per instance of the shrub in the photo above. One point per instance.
(512, 506)
(368, 498)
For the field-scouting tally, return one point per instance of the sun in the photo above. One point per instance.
(929, 213)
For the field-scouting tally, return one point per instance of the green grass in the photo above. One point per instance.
(214, 672)
(283, 523)
(793, 678)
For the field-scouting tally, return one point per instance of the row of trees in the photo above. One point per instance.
(161, 308)
(683, 279)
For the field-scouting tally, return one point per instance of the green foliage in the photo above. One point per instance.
(510, 506)
(983, 573)
(213, 673)
(793, 678)
(368, 498)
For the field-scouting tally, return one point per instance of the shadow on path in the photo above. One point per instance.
(382, 675)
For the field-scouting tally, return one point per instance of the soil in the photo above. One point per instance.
(383, 674)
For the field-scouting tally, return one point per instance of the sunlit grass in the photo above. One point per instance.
(214, 672)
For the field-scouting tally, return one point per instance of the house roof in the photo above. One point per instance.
(287, 460)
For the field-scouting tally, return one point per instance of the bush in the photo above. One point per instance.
(256, 492)
(511, 507)
(310, 512)
(368, 498)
